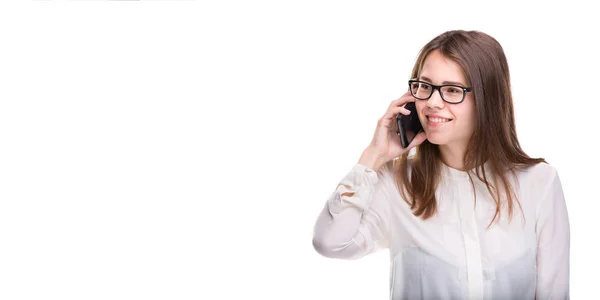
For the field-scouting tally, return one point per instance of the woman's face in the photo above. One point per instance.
(445, 123)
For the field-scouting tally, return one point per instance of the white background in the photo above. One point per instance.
(183, 150)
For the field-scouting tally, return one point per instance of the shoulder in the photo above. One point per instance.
(540, 181)
(537, 175)
(394, 166)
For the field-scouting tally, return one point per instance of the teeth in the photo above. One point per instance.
(438, 120)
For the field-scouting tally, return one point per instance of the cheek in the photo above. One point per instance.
(467, 116)
(420, 105)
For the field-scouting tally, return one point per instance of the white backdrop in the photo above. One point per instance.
(183, 150)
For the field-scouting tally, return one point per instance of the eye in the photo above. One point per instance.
(424, 86)
(452, 89)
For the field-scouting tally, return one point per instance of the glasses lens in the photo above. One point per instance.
(452, 93)
(420, 90)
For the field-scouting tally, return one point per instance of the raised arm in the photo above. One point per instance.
(354, 221)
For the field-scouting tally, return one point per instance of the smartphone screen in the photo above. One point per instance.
(408, 126)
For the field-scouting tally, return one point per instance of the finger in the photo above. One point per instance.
(390, 115)
(405, 111)
(399, 109)
(419, 139)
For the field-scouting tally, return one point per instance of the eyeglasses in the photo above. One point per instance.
(450, 93)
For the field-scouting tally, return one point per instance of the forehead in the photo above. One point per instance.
(439, 68)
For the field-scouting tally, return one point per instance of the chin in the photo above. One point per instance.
(436, 140)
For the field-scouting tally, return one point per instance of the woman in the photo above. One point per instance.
(467, 215)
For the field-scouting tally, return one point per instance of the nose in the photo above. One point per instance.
(435, 101)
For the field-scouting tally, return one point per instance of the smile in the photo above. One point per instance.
(438, 120)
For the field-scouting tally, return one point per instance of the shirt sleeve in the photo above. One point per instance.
(354, 221)
(553, 243)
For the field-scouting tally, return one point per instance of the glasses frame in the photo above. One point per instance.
(438, 88)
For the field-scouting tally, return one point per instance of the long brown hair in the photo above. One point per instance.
(494, 141)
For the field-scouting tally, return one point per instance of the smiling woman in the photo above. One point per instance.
(449, 114)
(470, 215)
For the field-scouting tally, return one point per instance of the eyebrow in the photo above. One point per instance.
(445, 82)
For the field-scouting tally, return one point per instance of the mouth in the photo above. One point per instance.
(435, 120)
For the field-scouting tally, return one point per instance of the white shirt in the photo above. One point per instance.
(453, 255)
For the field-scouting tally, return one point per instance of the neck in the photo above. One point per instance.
(453, 155)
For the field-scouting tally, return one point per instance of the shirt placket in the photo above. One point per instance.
(470, 236)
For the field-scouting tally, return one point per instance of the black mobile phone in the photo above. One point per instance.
(408, 126)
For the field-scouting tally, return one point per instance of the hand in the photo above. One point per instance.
(385, 145)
